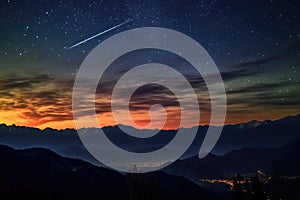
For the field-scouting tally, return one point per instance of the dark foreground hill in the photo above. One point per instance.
(42, 174)
(283, 161)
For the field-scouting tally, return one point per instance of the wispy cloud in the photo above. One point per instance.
(35, 99)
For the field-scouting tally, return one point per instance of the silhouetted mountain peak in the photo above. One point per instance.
(5, 148)
(251, 124)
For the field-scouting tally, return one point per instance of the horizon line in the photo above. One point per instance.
(229, 124)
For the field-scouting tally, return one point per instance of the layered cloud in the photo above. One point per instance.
(41, 100)
(35, 100)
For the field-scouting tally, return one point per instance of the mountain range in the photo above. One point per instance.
(266, 134)
(53, 164)
(39, 173)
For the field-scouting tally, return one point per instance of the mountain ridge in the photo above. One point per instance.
(283, 160)
(68, 143)
(229, 124)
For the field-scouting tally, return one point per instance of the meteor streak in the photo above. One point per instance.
(98, 34)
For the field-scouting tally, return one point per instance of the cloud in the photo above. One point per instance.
(254, 67)
(265, 96)
(36, 98)
(291, 50)
(256, 88)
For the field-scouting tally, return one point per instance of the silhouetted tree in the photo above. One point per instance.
(257, 189)
(237, 187)
(243, 190)
(142, 188)
(135, 185)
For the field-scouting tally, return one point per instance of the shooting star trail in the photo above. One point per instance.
(101, 33)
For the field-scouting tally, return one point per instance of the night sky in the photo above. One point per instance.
(255, 44)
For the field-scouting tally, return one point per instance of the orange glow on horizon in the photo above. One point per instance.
(10, 117)
(42, 114)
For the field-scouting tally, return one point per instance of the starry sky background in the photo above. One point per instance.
(255, 44)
